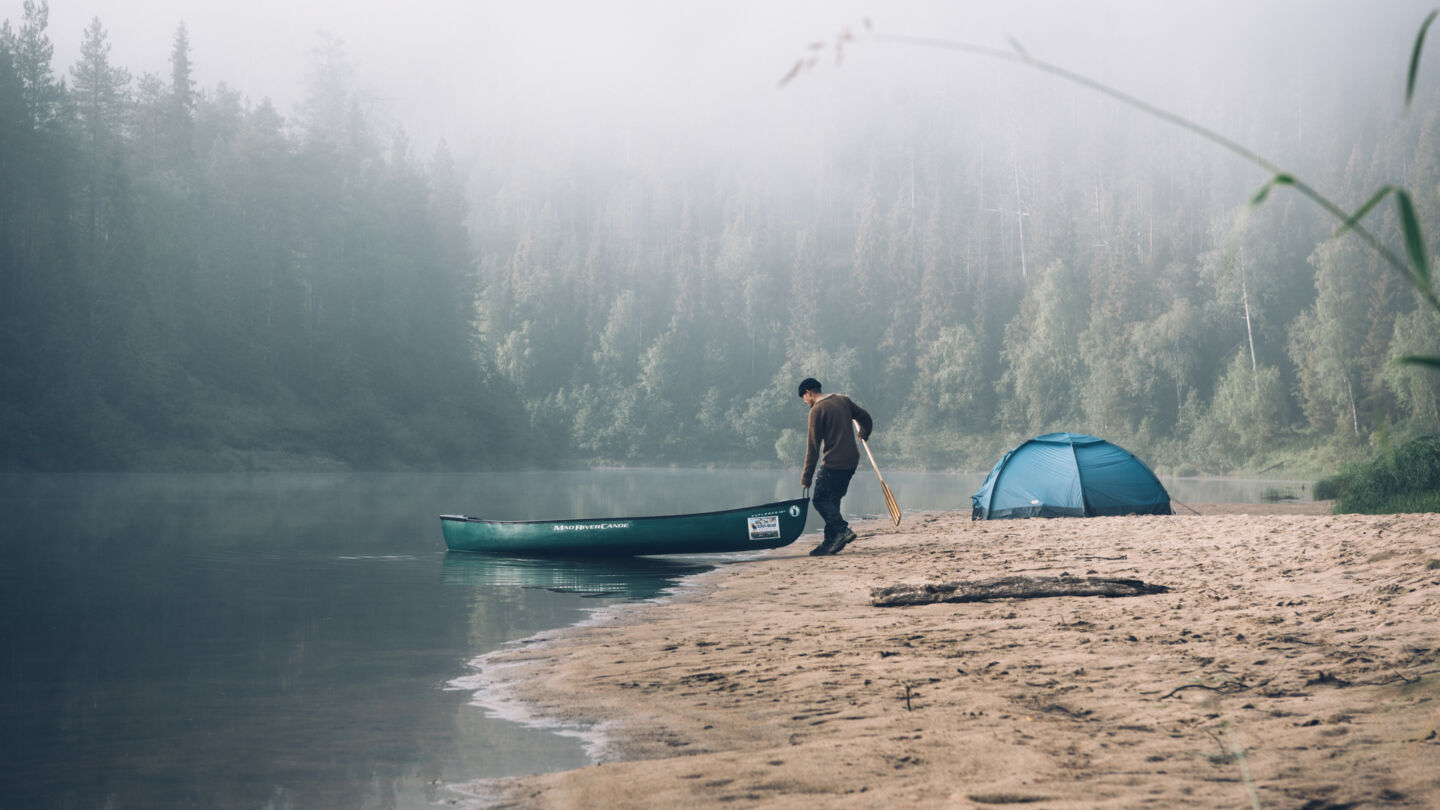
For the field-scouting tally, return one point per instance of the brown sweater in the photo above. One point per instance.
(830, 425)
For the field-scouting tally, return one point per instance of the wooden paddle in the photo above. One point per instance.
(890, 502)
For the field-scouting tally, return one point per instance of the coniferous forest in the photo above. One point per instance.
(197, 282)
(194, 280)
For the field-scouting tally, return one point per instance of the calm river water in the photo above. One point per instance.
(286, 640)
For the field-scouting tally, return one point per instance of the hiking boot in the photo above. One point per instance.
(822, 549)
(842, 541)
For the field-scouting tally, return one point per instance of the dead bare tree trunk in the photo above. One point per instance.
(1245, 298)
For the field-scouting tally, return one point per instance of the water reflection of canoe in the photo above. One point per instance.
(622, 577)
(757, 527)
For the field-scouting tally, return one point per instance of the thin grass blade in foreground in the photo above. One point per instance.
(1415, 58)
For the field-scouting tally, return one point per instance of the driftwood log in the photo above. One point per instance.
(982, 590)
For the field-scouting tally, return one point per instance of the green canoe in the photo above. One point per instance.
(757, 527)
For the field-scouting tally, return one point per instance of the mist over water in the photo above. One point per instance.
(265, 641)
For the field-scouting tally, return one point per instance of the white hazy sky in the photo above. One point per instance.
(453, 67)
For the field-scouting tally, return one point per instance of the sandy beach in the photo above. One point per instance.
(1293, 663)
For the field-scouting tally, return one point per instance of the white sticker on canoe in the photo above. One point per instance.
(765, 527)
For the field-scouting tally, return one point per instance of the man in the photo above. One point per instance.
(830, 426)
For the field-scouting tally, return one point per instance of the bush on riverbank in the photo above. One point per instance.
(1406, 479)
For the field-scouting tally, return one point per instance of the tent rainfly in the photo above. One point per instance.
(1069, 475)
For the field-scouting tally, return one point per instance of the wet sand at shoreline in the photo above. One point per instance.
(1294, 663)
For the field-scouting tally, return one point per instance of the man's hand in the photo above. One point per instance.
(860, 431)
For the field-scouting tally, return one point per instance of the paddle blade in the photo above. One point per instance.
(890, 502)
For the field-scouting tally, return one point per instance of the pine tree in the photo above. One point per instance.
(32, 53)
(101, 97)
(180, 113)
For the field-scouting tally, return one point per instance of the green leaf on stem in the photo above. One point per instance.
(1281, 179)
(1418, 360)
(1414, 239)
(1354, 219)
(1415, 57)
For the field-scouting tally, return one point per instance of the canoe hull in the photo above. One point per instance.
(771, 525)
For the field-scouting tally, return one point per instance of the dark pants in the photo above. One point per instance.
(830, 487)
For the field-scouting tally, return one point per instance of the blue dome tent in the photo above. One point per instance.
(1069, 475)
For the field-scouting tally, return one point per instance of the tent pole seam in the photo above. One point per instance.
(1080, 477)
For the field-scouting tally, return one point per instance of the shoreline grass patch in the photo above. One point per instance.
(1406, 479)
